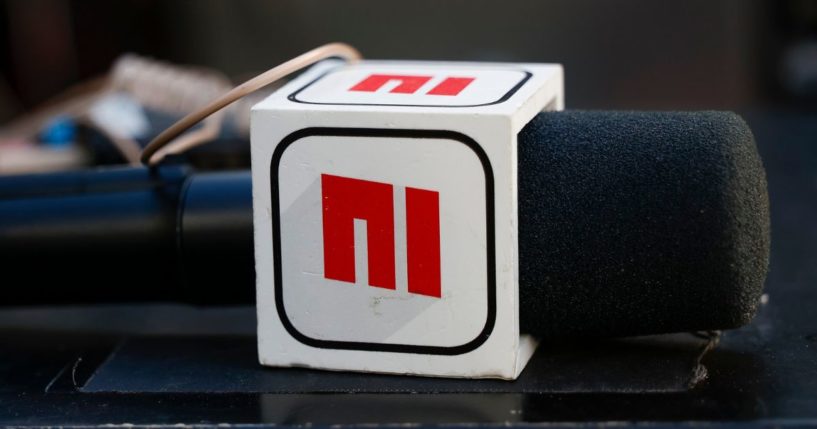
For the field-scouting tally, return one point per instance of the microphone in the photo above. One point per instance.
(630, 223)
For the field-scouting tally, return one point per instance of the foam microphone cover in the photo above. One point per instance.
(636, 223)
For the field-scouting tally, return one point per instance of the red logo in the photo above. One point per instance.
(408, 84)
(346, 199)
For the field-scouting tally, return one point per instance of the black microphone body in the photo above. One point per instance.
(127, 235)
(629, 223)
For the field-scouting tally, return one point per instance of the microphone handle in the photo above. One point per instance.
(127, 235)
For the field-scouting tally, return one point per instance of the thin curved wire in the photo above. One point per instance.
(151, 154)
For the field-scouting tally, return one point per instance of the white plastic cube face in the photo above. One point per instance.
(403, 85)
(383, 240)
(384, 198)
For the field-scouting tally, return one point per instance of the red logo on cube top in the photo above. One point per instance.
(410, 84)
(345, 199)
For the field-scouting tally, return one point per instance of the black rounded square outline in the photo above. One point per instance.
(294, 96)
(490, 319)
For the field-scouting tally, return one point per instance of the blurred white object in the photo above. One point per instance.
(115, 104)
(121, 114)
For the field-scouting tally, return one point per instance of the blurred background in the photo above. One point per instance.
(87, 83)
(635, 54)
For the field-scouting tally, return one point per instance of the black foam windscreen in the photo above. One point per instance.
(636, 223)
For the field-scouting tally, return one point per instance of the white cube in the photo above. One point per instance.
(385, 216)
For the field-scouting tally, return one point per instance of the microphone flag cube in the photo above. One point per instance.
(385, 216)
